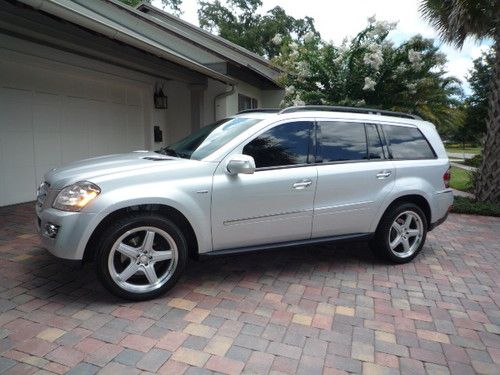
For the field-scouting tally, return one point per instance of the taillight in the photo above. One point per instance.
(446, 178)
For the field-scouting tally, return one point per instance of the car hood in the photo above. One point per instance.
(105, 167)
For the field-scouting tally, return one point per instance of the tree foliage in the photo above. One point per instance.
(369, 70)
(476, 105)
(173, 5)
(456, 20)
(241, 23)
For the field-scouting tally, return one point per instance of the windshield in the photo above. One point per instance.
(208, 139)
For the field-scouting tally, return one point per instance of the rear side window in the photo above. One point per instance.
(408, 143)
(342, 141)
(283, 145)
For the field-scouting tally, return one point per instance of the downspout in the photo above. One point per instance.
(223, 95)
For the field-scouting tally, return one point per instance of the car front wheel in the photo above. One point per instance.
(401, 233)
(141, 256)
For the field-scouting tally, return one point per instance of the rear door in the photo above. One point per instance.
(354, 177)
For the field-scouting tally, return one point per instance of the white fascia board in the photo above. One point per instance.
(94, 15)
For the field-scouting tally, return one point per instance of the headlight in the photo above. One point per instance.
(76, 196)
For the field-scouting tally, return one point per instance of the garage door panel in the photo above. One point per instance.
(19, 185)
(17, 150)
(48, 148)
(135, 129)
(49, 118)
(15, 110)
(46, 113)
(74, 146)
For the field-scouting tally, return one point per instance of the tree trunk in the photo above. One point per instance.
(488, 181)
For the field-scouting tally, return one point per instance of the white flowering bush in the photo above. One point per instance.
(369, 70)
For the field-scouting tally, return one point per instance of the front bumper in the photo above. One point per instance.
(71, 229)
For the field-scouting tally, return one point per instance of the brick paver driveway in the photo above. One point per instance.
(310, 310)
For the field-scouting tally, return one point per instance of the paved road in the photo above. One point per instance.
(460, 155)
(313, 310)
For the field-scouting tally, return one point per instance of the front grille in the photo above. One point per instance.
(41, 193)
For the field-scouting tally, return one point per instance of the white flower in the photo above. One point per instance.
(360, 103)
(309, 37)
(369, 84)
(289, 90)
(297, 101)
(303, 70)
(320, 86)
(412, 88)
(415, 59)
(278, 39)
(383, 27)
(294, 46)
(375, 57)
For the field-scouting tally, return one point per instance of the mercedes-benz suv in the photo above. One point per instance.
(258, 180)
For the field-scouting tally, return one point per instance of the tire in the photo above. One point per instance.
(141, 256)
(397, 241)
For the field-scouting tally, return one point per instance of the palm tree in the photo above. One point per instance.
(456, 20)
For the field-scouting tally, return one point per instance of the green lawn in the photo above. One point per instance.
(459, 148)
(460, 179)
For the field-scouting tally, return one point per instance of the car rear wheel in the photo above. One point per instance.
(401, 233)
(141, 256)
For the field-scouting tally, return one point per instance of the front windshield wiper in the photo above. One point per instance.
(168, 151)
(171, 152)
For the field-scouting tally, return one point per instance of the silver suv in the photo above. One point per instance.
(261, 179)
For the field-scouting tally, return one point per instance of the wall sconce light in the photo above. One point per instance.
(161, 100)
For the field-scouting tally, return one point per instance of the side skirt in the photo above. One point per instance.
(313, 241)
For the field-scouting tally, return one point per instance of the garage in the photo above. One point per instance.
(51, 114)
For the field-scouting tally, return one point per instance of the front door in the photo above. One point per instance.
(275, 203)
(354, 177)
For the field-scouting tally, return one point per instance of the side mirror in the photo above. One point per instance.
(244, 164)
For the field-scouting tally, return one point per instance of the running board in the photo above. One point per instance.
(313, 241)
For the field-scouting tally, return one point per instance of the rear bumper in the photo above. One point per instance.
(438, 223)
(443, 201)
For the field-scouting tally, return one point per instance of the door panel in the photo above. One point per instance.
(348, 196)
(261, 208)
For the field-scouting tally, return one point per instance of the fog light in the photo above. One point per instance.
(51, 230)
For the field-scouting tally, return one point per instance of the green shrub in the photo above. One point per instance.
(462, 205)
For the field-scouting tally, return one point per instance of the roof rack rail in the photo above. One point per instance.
(262, 110)
(371, 111)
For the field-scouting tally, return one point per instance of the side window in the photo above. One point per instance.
(286, 144)
(342, 141)
(375, 149)
(407, 143)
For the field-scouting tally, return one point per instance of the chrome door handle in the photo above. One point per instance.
(301, 185)
(383, 174)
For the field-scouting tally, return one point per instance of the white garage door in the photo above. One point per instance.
(49, 117)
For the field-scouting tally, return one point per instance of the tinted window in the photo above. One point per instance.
(342, 141)
(282, 145)
(375, 150)
(407, 143)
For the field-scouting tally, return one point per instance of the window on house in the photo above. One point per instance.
(246, 102)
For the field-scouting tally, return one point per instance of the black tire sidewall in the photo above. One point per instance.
(380, 243)
(109, 237)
